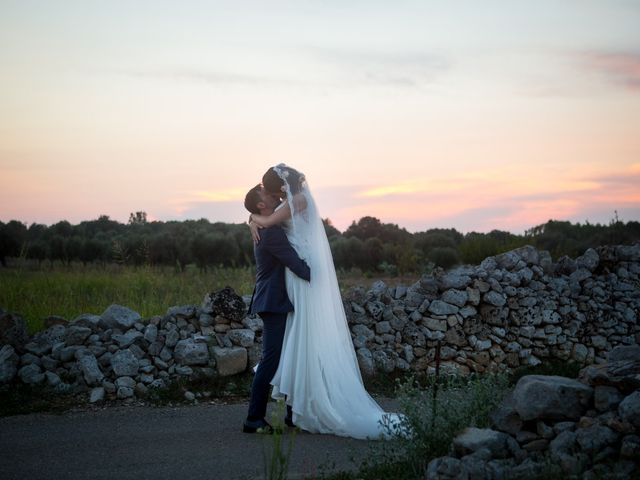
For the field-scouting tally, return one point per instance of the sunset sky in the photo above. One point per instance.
(474, 115)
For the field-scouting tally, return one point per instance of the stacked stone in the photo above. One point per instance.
(517, 308)
(586, 428)
(120, 355)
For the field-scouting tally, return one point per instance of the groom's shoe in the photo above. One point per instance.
(257, 426)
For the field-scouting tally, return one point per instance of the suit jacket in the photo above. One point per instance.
(273, 253)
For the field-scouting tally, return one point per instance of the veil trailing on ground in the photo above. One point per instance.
(318, 369)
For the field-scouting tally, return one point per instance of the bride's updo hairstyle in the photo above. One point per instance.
(273, 183)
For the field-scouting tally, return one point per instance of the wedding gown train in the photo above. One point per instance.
(318, 370)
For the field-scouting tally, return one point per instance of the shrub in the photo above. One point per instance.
(435, 413)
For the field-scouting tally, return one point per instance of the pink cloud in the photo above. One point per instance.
(623, 68)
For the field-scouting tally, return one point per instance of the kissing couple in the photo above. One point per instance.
(307, 352)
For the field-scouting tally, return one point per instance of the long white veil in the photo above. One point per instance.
(319, 370)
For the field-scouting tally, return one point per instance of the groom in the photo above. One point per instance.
(273, 253)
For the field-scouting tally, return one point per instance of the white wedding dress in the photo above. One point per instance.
(318, 370)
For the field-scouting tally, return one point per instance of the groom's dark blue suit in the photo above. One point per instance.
(270, 300)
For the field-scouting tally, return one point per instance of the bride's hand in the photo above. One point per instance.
(255, 234)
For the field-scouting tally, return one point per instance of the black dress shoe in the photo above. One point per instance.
(257, 426)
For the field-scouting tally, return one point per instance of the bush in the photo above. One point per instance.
(445, 257)
(435, 413)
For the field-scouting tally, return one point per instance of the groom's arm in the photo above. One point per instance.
(276, 242)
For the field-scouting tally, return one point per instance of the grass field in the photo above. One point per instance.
(68, 291)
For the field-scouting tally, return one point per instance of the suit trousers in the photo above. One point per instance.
(272, 338)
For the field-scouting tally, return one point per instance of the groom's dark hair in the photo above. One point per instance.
(252, 199)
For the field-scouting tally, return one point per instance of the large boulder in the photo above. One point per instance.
(539, 397)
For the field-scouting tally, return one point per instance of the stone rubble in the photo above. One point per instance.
(557, 426)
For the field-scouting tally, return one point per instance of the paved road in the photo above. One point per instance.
(135, 442)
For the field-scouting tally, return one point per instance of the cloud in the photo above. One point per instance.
(211, 77)
(622, 68)
(503, 202)
(399, 69)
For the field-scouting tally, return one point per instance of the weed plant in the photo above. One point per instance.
(435, 412)
(277, 453)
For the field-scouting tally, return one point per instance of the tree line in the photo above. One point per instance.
(368, 244)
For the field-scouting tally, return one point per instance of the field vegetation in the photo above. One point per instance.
(67, 270)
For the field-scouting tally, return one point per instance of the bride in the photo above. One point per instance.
(318, 371)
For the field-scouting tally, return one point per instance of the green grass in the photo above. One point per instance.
(68, 291)
(71, 291)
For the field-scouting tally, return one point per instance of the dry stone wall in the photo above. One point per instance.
(518, 308)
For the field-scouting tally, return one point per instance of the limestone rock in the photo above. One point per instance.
(93, 376)
(8, 363)
(439, 307)
(242, 336)
(446, 468)
(538, 397)
(472, 439)
(31, 374)
(124, 362)
(229, 361)
(188, 352)
(76, 335)
(629, 409)
(182, 311)
(97, 395)
(505, 418)
(365, 361)
(13, 330)
(117, 316)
